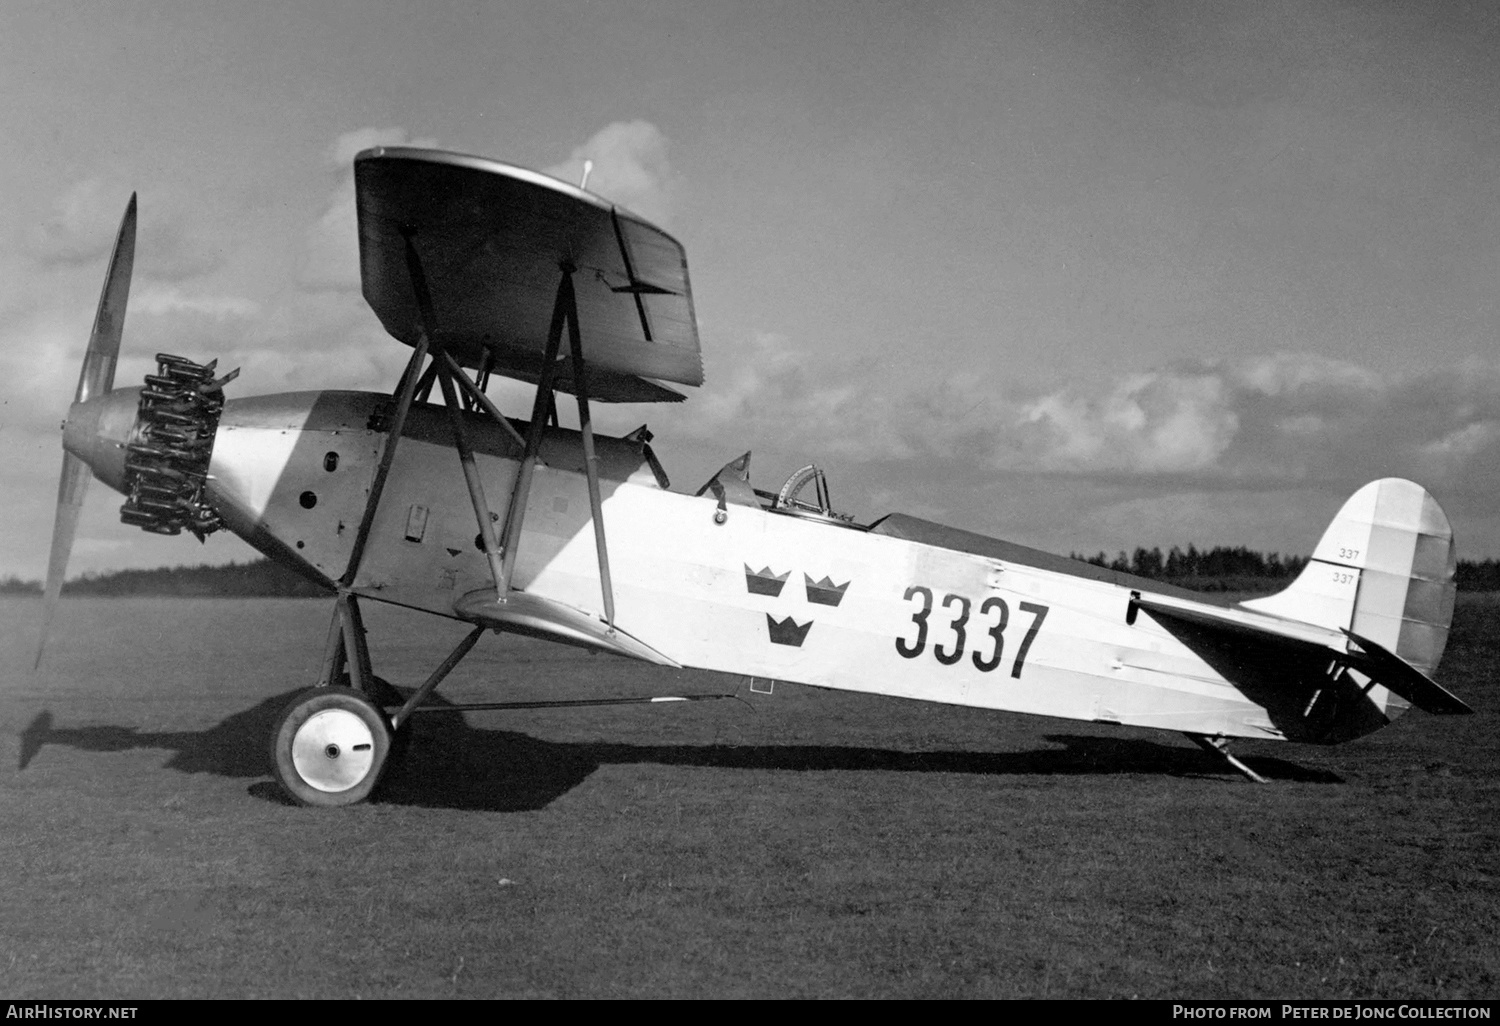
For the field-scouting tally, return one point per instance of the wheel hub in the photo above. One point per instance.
(334, 750)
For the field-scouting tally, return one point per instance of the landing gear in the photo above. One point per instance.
(329, 746)
(332, 742)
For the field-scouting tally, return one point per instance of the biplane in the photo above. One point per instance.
(438, 501)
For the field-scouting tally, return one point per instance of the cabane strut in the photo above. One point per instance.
(347, 646)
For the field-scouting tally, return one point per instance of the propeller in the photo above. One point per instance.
(96, 378)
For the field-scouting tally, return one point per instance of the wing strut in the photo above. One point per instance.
(346, 635)
(586, 427)
(471, 475)
(442, 369)
(346, 646)
(424, 384)
(404, 392)
(541, 406)
(476, 393)
(564, 310)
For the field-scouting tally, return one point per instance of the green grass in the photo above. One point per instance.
(817, 844)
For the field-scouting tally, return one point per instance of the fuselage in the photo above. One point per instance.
(760, 592)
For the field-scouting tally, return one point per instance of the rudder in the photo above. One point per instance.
(1383, 569)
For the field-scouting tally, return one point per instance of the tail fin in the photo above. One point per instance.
(1383, 570)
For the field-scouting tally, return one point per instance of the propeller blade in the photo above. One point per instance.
(70, 491)
(98, 374)
(96, 378)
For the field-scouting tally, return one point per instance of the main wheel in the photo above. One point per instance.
(329, 746)
(381, 691)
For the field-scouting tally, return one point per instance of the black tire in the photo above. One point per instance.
(329, 747)
(381, 691)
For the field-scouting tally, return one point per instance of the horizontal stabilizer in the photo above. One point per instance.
(1407, 681)
(1244, 623)
(1380, 664)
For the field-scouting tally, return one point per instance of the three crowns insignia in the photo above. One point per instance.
(824, 592)
(788, 631)
(764, 582)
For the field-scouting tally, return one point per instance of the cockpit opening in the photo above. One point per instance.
(731, 486)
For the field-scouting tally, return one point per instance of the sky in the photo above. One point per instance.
(1084, 276)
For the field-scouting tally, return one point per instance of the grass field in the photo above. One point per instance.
(809, 843)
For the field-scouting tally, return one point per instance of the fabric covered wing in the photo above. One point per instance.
(492, 240)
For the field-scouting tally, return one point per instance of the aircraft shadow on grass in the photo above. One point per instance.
(451, 764)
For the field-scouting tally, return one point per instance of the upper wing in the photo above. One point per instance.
(1292, 636)
(492, 239)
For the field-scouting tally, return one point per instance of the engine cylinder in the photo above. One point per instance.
(166, 462)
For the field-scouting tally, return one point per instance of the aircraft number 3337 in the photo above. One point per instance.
(994, 606)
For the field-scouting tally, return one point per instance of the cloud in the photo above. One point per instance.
(769, 390)
(161, 301)
(1224, 437)
(42, 347)
(85, 221)
(630, 168)
(85, 218)
(1265, 421)
(168, 249)
(1152, 422)
(1255, 450)
(330, 256)
(325, 339)
(346, 147)
(199, 326)
(40, 354)
(319, 333)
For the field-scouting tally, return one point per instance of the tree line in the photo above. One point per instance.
(259, 578)
(1217, 569)
(1223, 568)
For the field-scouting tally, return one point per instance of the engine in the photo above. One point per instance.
(166, 466)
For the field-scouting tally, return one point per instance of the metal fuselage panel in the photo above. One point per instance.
(763, 594)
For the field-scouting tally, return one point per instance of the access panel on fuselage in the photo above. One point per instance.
(291, 473)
